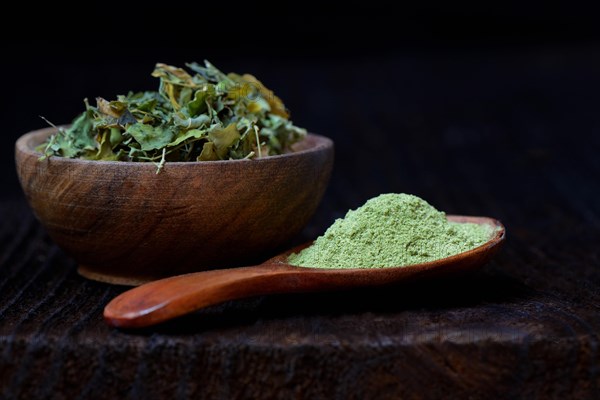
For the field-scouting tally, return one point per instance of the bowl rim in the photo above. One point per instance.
(23, 145)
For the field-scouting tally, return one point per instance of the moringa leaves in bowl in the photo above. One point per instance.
(205, 115)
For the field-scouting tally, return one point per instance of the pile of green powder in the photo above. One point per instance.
(391, 230)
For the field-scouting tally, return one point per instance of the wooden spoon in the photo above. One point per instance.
(162, 300)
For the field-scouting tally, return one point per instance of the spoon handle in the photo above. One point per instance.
(168, 298)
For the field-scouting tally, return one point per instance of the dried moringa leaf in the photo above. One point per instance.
(208, 153)
(198, 104)
(105, 108)
(275, 102)
(105, 152)
(223, 138)
(192, 134)
(150, 137)
(126, 118)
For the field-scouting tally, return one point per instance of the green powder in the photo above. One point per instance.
(391, 230)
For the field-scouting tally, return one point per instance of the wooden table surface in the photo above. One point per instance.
(514, 137)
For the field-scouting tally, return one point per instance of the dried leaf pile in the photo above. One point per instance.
(204, 116)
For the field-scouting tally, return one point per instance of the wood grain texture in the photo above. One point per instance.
(124, 223)
(166, 299)
(511, 136)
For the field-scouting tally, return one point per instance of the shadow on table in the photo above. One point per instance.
(433, 295)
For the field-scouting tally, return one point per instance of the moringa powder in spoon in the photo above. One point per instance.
(388, 231)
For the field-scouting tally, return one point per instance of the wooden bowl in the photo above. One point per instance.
(124, 223)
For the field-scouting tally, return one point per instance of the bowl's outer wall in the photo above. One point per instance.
(124, 219)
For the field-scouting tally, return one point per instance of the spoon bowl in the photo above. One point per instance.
(165, 299)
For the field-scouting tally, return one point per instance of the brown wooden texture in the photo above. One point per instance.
(165, 299)
(124, 223)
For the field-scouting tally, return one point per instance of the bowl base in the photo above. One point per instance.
(91, 273)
